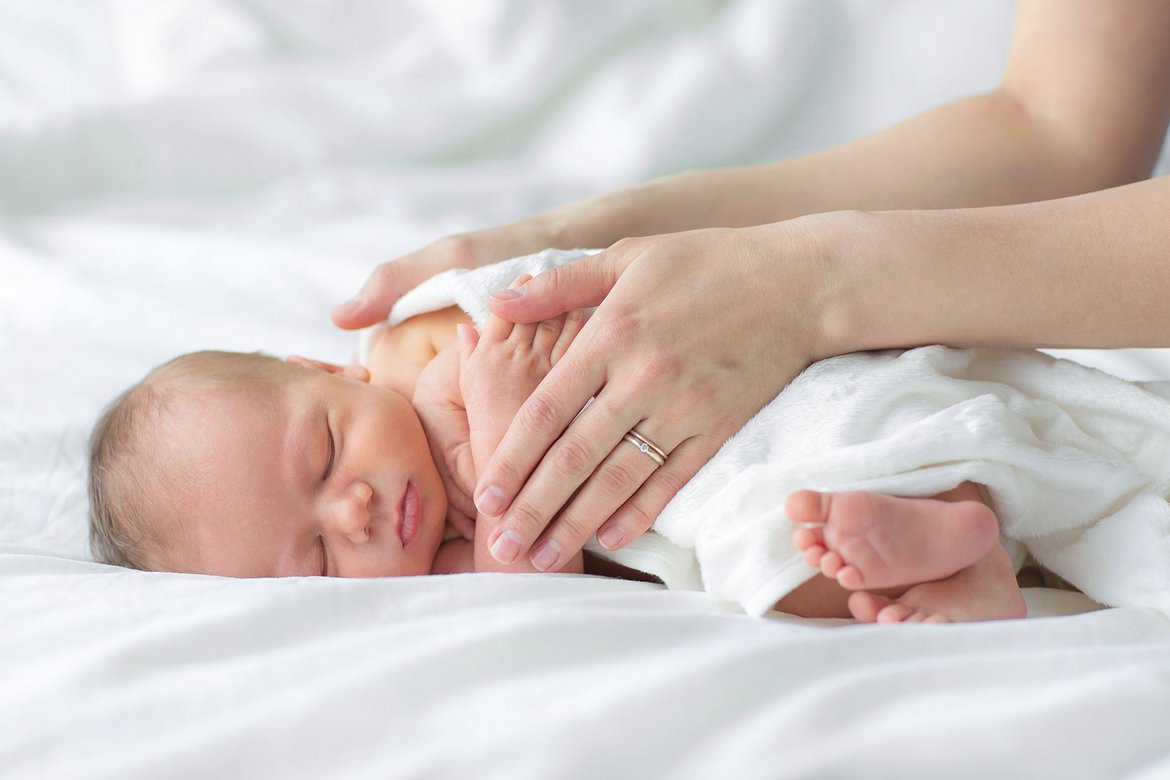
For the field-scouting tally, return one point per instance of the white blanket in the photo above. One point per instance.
(1076, 460)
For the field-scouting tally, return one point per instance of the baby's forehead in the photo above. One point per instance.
(204, 413)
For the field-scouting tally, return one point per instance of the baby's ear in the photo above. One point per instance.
(353, 371)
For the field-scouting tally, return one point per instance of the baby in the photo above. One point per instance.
(244, 465)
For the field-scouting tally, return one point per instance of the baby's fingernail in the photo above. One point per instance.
(464, 334)
(546, 557)
(611, 538)
(490, 501)
(510, 294)
(506, 546)
(350, 306)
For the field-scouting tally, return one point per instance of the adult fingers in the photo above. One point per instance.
(614, 481)
(589, 440)
(576, 285)
(385, 285)
(391, 280)
(561, 395)
(499, 329)
(638, 513)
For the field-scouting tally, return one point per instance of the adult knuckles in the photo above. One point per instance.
(572, 530)
(638, 517)
(663, 369)
(571, 458)
(539, 415)
(617, 479)
(387, 275)
(526, 518)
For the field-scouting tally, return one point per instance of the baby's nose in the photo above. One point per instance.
(351, 512)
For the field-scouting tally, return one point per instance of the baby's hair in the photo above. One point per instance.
(126, 484)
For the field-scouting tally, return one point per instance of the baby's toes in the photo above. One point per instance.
(865, 606)
(805, 538)
(804, 506)
(896, 612)
(812, 555)
(831, 563)
(850, 578)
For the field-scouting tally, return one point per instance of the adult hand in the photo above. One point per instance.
(695, 332)
(389, 281)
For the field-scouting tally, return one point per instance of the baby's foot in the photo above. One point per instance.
(869, 540)
(500, 368)
(986, 590)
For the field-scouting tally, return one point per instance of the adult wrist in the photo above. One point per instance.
(665, 205)
(849, 311)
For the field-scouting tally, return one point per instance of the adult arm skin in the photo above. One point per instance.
(1086, 271)
(1082, 106)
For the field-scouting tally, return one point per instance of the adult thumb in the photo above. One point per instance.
(576, 285)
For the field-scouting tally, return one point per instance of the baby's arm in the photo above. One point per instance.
(499, 369)
(398, 355)
(438, 402)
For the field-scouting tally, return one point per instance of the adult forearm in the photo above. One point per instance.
(984, 150)
(1085, 271)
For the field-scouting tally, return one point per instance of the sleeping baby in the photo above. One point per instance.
(249, 466)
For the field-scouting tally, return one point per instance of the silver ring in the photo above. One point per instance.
(646, 446)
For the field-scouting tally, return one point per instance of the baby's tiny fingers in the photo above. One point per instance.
(572, 326)
(546, 334)
(468, 338)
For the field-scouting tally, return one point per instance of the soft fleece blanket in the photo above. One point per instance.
(1077, 461)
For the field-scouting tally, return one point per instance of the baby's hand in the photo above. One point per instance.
(500, 368)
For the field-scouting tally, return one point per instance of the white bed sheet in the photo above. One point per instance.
(180, 175)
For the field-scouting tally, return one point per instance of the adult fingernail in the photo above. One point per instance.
(506, 546)
(490, 501)
(611, 538)
(350, 306)
(546, 557)
(510, 294)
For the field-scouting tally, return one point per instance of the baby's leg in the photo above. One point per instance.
(869, 540)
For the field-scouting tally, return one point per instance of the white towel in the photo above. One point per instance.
(1076, 461)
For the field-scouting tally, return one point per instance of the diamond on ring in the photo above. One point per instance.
(646, 447)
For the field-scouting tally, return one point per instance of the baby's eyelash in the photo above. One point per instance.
(332, 449)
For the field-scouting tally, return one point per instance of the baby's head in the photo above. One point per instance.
(245, 465)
